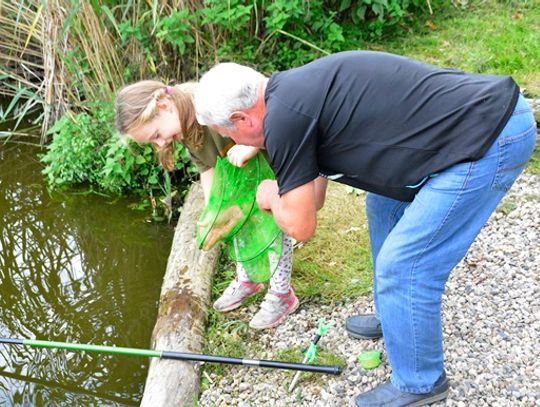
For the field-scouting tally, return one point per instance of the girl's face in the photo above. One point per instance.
(162, 129)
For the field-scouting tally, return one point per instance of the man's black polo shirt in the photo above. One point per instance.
(380, 122)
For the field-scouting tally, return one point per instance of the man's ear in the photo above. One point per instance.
(240, 118)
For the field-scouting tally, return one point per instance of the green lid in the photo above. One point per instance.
(233, 216)
(370, 359)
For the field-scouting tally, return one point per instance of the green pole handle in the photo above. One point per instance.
(114, 350)
(194, 357)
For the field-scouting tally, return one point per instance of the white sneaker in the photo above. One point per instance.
(235, 294)
(274, 309)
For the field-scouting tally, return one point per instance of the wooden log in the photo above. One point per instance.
(184, 301)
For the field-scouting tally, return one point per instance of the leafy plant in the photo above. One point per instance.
(75, 155)
(85, 149)
(232, 15)
(94, 48)
(175, 28)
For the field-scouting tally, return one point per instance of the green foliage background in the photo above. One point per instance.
(95, 47)
(174, 43)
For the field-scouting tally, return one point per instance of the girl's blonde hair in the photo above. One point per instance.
(136, 105)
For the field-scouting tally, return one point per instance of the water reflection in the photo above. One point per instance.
(75, 269)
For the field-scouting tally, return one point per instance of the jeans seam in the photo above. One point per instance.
(450, 210)
(518, 136)
(521, 111)
(498, 169)
(393, 215)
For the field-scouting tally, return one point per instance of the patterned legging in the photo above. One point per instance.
(281, 279)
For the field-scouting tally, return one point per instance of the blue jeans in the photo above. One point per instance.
(416, 244)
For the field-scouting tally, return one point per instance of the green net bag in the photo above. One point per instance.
(233, 216)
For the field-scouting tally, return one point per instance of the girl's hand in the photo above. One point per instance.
(239, 155)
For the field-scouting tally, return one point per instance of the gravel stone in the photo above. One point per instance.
(491, 317)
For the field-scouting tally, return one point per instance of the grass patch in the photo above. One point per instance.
(506, 207)
(495, 37)
(336, 263)
(324, 357)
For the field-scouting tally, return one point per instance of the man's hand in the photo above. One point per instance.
(295, 211)
(267, 192)
(239, 155)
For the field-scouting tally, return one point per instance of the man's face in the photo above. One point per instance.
(247, 135)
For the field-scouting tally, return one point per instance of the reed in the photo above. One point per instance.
(38, 42)
(57, 55)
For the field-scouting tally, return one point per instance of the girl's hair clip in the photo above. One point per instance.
(168, 90)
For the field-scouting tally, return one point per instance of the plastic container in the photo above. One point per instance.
(370, 359)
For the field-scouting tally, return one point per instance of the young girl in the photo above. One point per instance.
(150, 112)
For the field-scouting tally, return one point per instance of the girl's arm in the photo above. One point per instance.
(206, 183)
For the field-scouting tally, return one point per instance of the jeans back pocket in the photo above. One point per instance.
(514, 152)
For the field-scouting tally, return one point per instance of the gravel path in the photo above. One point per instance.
(491, 313)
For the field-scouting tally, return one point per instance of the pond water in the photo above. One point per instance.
(74, 268)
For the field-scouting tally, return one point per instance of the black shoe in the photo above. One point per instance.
(364, 326)
(386, 395)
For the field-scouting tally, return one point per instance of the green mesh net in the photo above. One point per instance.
(232, 215)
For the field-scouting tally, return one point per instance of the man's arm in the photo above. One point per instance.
(320, 191)
(295, 211)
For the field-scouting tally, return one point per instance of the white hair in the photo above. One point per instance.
(224, 89)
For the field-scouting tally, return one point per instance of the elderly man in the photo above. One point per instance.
(436, 149)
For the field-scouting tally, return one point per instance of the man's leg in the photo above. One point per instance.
(416, 257)
(431, 237)
(383, 214)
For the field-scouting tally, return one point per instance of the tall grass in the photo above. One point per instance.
(52, 56)
(57, 55)
(21, 58)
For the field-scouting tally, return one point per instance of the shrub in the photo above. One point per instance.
(85, 149)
